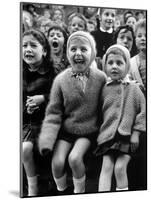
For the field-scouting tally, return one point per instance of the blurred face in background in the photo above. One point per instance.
(58, 16)
(76, 24)
(140, 38)
(125, 39)
(131, 21)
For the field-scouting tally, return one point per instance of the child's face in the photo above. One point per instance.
(90, 27)
(77, 24)
(115, 66)
(56, 40)
(108, 18)
(44, 27)
(47, 14)
(131, 21)
(117, 23)
(140, 38)
(79, 54)
(33, 51)
(57, 15)
(125, 39)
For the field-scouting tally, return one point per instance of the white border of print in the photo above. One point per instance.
(9, 99)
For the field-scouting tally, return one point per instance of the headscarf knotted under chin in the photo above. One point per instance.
(124, 50)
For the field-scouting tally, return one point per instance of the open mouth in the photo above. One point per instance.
(29, 56)
(55, 44)
(114, 73)
(143, 44)
(79, 61)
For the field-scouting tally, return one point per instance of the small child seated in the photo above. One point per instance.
(123, 110)
(71, 121)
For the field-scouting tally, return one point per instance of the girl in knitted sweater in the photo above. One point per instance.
(123, 108)
(71, 120)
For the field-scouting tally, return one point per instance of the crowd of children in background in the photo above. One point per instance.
(77, 62)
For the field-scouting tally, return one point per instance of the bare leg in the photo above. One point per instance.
(77, 165)
(120, 171)
(58, 162)
(29, 165)
(76, 157)
(105, 178)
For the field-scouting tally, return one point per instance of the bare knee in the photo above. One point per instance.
(58, 166)
(120, 170)
(74, 160)
(107, 168)
(27, 151)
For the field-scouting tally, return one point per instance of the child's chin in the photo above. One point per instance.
(79, 68)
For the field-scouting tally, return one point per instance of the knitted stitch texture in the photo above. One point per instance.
(71, 108)
(124, 110)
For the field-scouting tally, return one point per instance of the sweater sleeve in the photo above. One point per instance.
(140, 120)
(53, 118)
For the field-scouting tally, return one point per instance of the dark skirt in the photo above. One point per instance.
(71, 138)
(119, 144)
(31, 132)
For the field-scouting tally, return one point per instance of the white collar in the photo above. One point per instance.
(126, 80)
(108, 31)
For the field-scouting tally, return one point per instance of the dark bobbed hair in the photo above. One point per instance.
(126, 28)
(61, 29)
(130, 12)
(41, 38)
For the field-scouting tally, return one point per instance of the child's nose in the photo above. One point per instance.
(78, 52)
(143, 37)
(114, 65)
(28, 48)
(76, 27)
(125, 40)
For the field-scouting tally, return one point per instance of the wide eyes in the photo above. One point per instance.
(118, 62)
(82, 49)
(73, 49)
(109, 14)
(59, 35)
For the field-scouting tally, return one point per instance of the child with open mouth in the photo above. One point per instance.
(57, 39)
(71, 124)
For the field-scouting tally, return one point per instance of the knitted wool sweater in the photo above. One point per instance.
(124, 110)
(71, 108)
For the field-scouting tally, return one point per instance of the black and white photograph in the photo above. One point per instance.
(84, 90)
(75, 99)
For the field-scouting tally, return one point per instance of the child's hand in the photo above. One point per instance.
(36, 99)
(31, 108)
(33, 103)
(134, 141)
